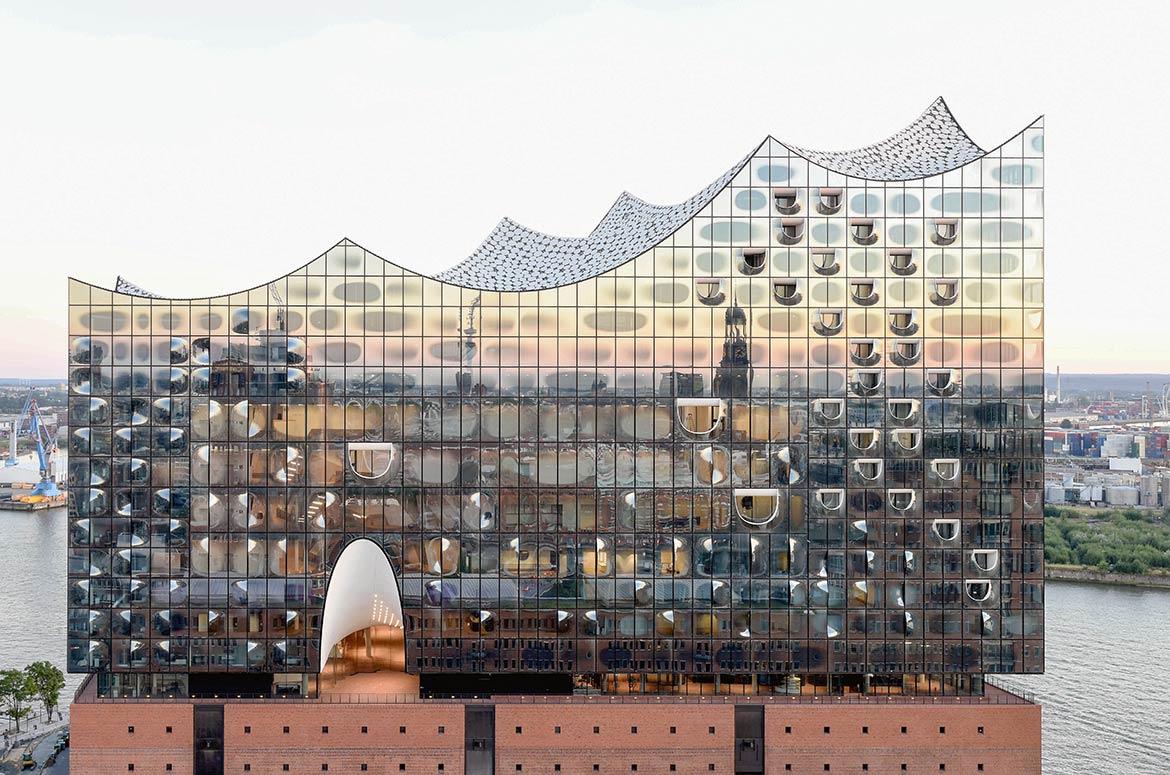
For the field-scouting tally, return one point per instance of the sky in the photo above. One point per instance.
(204, 148)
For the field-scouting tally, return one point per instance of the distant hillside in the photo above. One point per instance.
(1135, 383)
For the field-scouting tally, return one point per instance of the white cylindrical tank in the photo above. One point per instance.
(1121, 496)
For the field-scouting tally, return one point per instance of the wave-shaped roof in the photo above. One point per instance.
(516, 258)
(932, 144)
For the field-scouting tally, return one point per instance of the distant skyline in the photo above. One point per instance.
(179, 149)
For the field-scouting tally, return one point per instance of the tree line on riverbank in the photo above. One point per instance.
(1115, 540)
(20, 690)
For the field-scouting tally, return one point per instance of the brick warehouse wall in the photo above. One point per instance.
(627, 736)
(101, 740)
(859, 735)
(937, 738)
(420, 736)
(254, 736)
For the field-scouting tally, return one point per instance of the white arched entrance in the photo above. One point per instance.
(362, 624)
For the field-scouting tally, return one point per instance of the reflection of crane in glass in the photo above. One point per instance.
(278, 300)
(31, 423)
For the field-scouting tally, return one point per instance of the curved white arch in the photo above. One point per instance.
(362, 592)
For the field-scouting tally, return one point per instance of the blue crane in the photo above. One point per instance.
(31, 423)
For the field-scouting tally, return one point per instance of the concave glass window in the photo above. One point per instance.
(940, 381)
(864, 439)
(754, 260)
(945, 292)
(945, 231)
(907, 352)
(945, 529)
(864, 291)
(945, 468)
(787, 465)
(700, 416)
(372, 460)
(902, 321)
(829, 321)
(863, 230)
(902, 500)
(828, 201)
(756, 507)
(824, 261)
(829, 409)
(787, 291)
(869, 469)
(710, 291)
(868, 380)
(791, 230)
(979, 591)
(864, 351)
(831, 500)
(786, 201)
(986, 560)
(902, 262)
(907, 439)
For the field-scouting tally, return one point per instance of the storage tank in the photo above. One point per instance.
(1149, 491)
(1119, 495)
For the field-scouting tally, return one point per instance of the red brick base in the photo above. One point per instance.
(578, 736)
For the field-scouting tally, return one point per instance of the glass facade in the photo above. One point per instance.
(801, 434)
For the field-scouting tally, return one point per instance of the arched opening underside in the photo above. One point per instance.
(362, 640)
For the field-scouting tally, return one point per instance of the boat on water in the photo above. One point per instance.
(21, 484)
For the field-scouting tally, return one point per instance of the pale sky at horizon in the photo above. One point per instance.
(205, 152)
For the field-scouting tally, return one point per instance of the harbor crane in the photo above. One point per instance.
(31, 424)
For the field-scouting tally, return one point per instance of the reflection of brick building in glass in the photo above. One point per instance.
(780, 441)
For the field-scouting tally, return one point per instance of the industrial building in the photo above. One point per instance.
(751, 483)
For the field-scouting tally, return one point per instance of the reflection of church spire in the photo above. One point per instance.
(734, 375)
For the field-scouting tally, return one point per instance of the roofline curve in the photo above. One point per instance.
(797, 151)
(625, 196)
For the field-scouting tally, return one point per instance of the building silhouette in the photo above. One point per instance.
(763, 469)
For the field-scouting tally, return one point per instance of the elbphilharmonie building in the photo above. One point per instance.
(777, 445)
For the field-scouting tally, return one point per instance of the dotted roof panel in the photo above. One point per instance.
(131, 289)
(515, 258)
(934, 143)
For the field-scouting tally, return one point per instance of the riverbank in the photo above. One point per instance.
(40, 735)
(1084, 574)
(1121, 546)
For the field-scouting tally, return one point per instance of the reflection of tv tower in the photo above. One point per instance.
(464, 380)
(734, 375)
(469, 346)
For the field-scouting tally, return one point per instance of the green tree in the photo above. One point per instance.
(15, 694)
(47, 681)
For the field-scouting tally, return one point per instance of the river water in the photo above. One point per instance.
(1105, 695)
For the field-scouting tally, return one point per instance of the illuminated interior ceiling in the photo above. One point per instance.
(362, 593)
